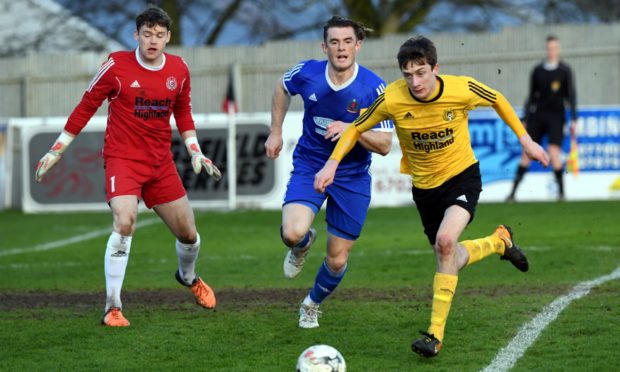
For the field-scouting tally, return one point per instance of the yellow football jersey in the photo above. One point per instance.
(434, 134)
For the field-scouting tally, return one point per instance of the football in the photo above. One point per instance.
(321, 358)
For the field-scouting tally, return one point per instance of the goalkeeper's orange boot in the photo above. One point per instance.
(203, 293)
(512, 253)
(114, 318)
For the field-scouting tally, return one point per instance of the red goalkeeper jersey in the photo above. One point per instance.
(141, 99)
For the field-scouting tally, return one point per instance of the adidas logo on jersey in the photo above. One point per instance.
(135, 84)
(408, 116)
(312, 97)
(462, 198)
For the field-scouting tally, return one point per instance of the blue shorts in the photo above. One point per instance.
(347, 201)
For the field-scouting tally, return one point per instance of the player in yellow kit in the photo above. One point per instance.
(430, 114)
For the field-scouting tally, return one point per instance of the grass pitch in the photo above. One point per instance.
(52, 295)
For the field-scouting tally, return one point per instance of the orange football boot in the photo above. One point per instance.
(114, 318)
(205, 296)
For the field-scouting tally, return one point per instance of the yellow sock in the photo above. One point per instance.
(481, 248)
(444, 286)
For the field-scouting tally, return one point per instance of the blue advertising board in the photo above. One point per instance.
(499, 151)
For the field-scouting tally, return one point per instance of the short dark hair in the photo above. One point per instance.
(552, 38)
(153, 16)
(337, 21)
(418, 49)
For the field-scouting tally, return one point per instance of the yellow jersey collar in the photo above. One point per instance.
(437, 96)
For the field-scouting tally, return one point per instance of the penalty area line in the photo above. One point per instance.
(64, 242)
(507, 357)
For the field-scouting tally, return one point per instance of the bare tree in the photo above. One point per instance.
(194, 22)
(389, 16)
(173, 8)
(115, 18)
(44, 26)
(581, 11)
(207, 22)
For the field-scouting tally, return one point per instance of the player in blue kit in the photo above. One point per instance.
(336, 89)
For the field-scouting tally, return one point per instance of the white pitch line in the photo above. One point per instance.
(72, 240)
(529, 332)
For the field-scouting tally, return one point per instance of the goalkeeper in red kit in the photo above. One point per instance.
(143, 88)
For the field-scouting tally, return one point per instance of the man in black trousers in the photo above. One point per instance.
(551, 88)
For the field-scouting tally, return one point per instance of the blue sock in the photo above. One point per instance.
(325, 283)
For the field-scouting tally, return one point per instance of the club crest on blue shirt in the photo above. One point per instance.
(353, 107)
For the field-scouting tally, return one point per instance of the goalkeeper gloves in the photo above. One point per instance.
(199, 161)
(53, 155)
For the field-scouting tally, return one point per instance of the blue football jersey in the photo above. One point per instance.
(325, 102)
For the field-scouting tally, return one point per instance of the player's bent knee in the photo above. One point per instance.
(125, 228)
(336, 264)
(187, 236)
(290, 236)
(445, 245)
(125, 224)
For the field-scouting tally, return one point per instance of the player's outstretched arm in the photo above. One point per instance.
(375, 141)
(279, 106)
(347, 140)
(533, 150)
(508, 114)
(53, 155)
(199, 161)
(325, 176)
